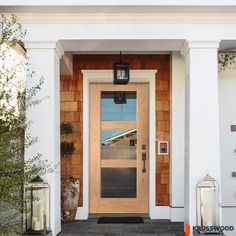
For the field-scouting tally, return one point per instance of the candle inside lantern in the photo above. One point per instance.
(40, 215)
(37, 225)
(34, 219)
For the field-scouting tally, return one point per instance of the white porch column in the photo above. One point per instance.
(202, 147)
(45, 61)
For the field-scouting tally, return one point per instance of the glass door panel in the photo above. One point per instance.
(118, 182)
(118, 108)
(118, 144)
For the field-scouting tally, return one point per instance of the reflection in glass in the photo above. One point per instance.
(111, 110)
(118, 144)
(118, 182)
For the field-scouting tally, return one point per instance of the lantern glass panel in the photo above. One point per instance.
(208, 202)
(121, 74)
(209, 207)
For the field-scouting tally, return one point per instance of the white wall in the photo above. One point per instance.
(227, 106)
(177, 136)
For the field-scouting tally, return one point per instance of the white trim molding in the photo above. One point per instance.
(104, 76)
(45, 45)
(122, 17)
(204, 44)
(115, 3)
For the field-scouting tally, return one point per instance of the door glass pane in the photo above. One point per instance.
(118, 144)
(118, 106)
(118, 182)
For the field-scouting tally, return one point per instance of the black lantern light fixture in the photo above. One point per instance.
(121, 72)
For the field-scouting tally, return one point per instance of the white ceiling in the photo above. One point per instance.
(132, 46)
(126, 46)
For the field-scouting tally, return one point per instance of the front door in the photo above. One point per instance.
(119, 144)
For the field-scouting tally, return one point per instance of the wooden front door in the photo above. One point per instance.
(118, 172)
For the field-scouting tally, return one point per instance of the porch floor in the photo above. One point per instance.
(150, 227)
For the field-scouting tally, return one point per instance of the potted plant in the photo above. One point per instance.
(70, 189)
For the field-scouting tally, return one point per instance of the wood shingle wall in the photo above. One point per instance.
(71, 111)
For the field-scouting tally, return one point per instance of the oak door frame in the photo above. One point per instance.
(106, 76)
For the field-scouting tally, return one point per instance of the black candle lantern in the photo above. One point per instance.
(121, 72)
(37, 214)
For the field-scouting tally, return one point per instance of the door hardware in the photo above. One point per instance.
(144, 162)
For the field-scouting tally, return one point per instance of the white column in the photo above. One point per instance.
(45, 61)
(202, 147)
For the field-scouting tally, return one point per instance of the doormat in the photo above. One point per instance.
(120, 220)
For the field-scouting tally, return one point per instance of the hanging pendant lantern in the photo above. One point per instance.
(121, 72)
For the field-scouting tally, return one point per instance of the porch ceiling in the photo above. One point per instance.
(132, 46)
(126, 46)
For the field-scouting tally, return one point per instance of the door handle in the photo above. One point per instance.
(144, 162)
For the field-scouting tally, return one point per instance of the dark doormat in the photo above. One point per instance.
(120, 220)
